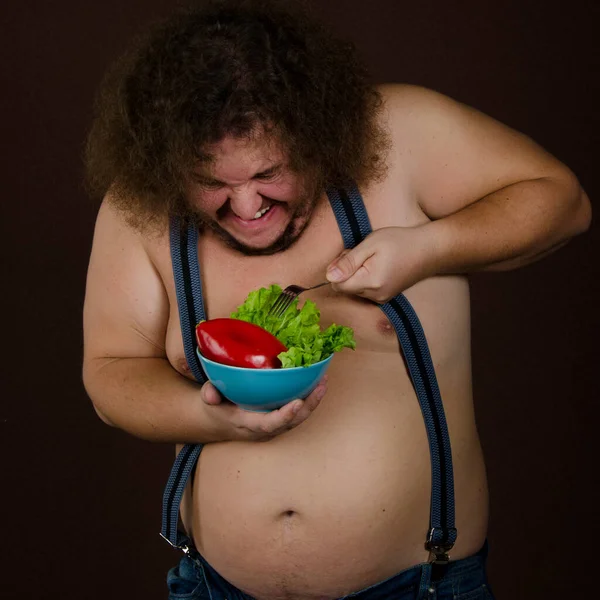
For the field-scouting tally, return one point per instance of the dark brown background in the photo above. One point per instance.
(81, 501)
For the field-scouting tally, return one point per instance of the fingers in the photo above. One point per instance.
(349, 271)
(280, 420)
(307, 406)
(341, 268)
(267, 425)
(210, 394)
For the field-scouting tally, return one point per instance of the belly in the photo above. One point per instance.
(342, 501)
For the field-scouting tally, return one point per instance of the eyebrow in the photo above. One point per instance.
(209, 180)
(270, 170)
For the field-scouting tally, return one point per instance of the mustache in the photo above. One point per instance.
(299, 217)
(223, 210)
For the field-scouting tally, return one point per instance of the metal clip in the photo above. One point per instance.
(438, 555)
(184, 548)
(438, 552)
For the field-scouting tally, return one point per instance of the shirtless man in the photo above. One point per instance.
(232, 125)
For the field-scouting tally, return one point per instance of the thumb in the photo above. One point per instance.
(210, 394)
(347, 263)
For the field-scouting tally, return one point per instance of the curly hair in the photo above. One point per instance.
(229, 68)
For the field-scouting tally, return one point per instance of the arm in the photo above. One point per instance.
(493, 198)
(125, 369)
(496, 199)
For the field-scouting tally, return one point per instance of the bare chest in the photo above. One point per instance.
(227, 278)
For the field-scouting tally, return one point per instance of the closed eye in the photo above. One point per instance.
(210, 185)
(267, 175)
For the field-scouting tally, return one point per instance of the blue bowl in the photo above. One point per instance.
(263, 390)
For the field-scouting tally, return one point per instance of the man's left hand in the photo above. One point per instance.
(385, 263)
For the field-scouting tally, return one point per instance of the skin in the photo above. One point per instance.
(244, 177)
(334, 490)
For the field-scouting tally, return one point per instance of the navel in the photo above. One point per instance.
(286, 515)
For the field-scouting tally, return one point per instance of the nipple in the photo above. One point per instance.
(385, 327)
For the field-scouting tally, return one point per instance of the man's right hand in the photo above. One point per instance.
(231, 422)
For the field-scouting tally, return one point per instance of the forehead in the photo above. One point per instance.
(262, 151)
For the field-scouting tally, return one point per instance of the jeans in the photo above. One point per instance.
(465, 579)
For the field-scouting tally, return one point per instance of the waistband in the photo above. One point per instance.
(414, 582)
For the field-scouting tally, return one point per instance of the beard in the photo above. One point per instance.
(300, 218)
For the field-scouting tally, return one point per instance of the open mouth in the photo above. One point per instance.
(226, 213)
(262, 212)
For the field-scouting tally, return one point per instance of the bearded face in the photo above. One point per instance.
(248, 195)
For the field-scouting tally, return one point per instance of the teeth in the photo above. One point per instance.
(261, 212)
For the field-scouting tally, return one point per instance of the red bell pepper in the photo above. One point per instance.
(238, 343)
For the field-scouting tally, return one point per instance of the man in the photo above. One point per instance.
(242, 144)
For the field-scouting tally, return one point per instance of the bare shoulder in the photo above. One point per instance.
(453, 154)
(425, 120)
(393, 199)
(411, 112)
(414, 117)
(408, 112)
(126, 307)
(113, 223)
(124, 244)
(405, 101)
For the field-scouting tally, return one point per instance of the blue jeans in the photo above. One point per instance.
(465, 579)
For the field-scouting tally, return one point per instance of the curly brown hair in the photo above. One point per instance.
(229, 68)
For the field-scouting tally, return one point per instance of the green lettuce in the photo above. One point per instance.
(298, 330)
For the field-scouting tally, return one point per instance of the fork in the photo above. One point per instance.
(287, 296)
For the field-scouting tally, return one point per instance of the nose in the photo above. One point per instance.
(245, 201)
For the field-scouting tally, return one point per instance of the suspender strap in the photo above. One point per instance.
(188, 286)
(184, 464)
(352, 220)
(354, 225)
(442, 533)
(186, 271)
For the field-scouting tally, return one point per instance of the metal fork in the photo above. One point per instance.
(287, 296)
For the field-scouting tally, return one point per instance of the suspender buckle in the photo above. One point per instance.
(438, 551)
(183, 547)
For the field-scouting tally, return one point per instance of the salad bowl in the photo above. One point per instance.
(290, 352)
(263, 390)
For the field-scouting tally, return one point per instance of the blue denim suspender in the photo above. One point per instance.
(354, 225)
(188, 286)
